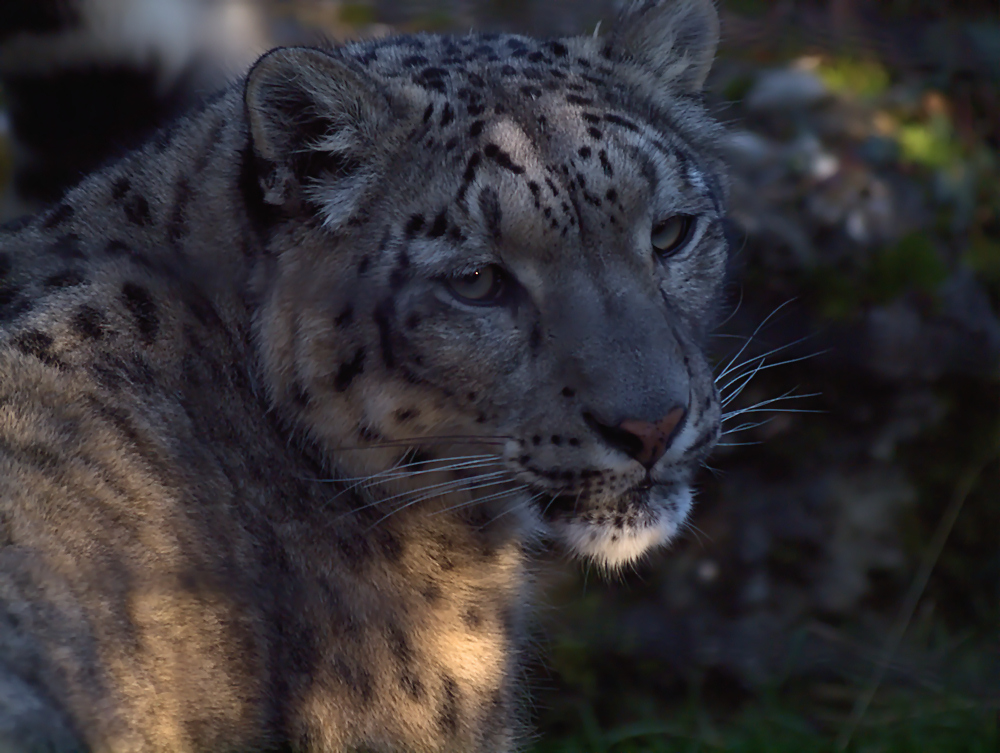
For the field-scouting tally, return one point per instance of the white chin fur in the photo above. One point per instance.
(612, 548)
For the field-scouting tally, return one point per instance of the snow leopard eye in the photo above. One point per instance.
(482, 287)
(670, 234)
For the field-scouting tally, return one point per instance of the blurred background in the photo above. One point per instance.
(839, 585)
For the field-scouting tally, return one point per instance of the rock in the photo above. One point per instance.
(866, 507)
(785, 89)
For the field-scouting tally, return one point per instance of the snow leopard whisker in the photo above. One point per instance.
(439, 488)
(393, 475)
(779, 410)
(443, 487)
(747, 426)
(547, 506)
(750, 360)
(462, 461)
(447, 487)
(523, 505)
(762, 366)
(760, 326)
(734, 312)
(477, 500)
(425, 497)
(760, 407)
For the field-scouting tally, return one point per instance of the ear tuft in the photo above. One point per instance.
(310, 116)
(675, 40)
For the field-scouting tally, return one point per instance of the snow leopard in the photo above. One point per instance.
(293, 395)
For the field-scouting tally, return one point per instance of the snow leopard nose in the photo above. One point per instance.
(654, 437)
(646, 441)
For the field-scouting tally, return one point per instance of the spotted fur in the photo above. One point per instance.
(266, 479)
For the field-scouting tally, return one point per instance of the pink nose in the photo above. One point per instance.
(655, 437)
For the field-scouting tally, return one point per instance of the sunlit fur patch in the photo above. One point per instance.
(652, 523)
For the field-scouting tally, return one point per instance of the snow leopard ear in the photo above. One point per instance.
(675, 40)
(311, 117)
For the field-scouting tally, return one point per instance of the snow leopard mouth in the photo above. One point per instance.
(614, 533)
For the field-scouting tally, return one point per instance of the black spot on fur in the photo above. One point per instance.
(177, 224)
(383, 315)
(349, 370)
(439, 226)
(489, 205)
(399, 644)
(119, 188)
(476, 128)
(88, 322)
(558, 49)
(574, 99)
(57, 216)
(411, 685)
(137, 210)
(68, 247)
(606, 164)
(37, 344)
(595, 133)
(470, 168)
(473, 618)
(389, 544)
(584, 152)
(447, 115)
(620, 121)
(66, 279)
(345, 316)
(11, 306)
(5, 265)
(498, 155)
(432, 78)
(535, 338)
(140, 304)
(367, 434)
(356, 678)
(428, 112)
(413, 225)
(116, 247)
(406, 414)
(448, 714)
(300, 395)
(432, 593)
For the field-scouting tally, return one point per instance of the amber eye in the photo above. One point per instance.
(670, 234)
(482, 287)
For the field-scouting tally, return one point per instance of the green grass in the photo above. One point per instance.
(766, 728)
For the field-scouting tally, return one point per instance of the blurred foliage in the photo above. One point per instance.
(930, 143)
(357, 14)
(846, 75)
